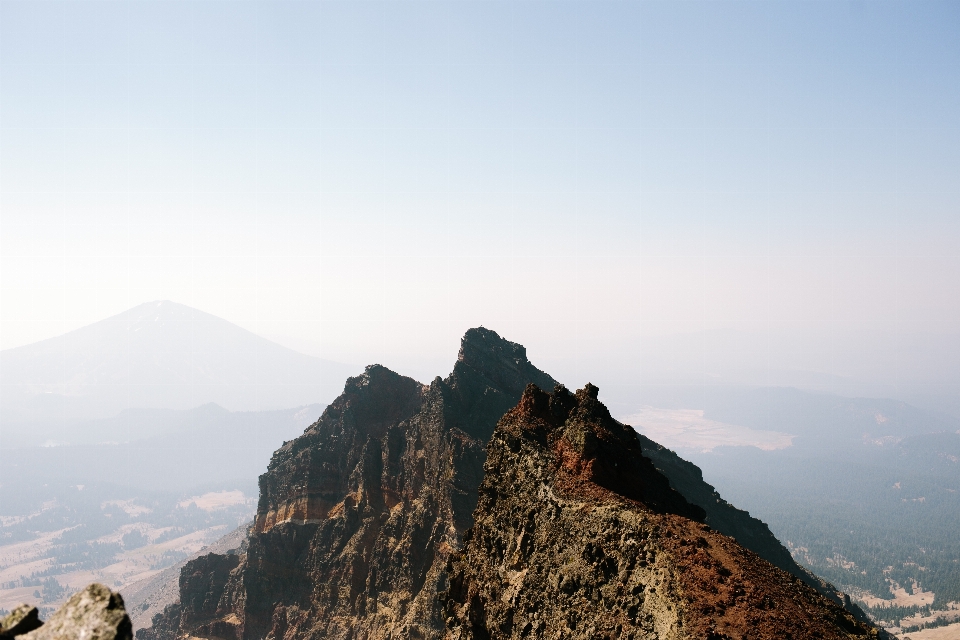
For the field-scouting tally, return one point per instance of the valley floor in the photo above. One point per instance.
(949, 632)
(64, 545)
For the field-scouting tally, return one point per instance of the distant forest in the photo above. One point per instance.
(865, 524)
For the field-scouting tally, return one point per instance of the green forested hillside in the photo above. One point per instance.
(867, 518)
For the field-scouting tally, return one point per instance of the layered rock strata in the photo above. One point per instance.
(577, 535)
(358, 517)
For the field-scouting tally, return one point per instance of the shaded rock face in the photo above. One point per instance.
(577, 535)
(22, 619)
(358, 517)
(202, 607)
(148, 597)
(95, 613)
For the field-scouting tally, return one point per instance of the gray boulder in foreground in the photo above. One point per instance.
(95, 613)
(22, 619)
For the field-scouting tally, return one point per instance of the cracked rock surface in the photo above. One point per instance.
(577, 535)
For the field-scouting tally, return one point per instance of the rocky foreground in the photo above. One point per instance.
(362, 522)
(95, 613)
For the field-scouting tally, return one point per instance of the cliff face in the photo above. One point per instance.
(357, 518)
(578, 536)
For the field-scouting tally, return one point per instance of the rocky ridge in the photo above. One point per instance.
(359, 517)
(577, 535)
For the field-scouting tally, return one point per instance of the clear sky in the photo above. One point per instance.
(365, 180)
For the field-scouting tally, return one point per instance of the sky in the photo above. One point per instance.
(764, 192)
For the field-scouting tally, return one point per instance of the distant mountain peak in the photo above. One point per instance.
(159, 354)
(163, 311)
(479, 345)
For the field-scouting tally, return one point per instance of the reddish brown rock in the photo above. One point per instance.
(358, 517)
(577, 535)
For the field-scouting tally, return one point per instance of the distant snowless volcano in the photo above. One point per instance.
(158, 355)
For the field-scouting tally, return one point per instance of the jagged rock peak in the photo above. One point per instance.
(311, 475)
(479, 344)
(577, 536)
(592, 451)
(358, 516)
(497, 360)
(378, 396)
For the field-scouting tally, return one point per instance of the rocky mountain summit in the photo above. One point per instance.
(360, 518)
(577, 535)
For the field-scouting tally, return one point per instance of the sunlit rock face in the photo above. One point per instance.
(360, 520)
(358, 516)
(577, 535)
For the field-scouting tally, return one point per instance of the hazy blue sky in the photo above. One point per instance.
(365, 180)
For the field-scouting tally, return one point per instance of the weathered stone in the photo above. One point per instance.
(358, 516)
(22, 619)
(577, 535)
(95, 613)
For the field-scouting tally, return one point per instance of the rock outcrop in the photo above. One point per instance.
(358, 517)
(577, 535)
(95, 613)
(21, 620)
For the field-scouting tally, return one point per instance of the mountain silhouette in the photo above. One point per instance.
(157, 355)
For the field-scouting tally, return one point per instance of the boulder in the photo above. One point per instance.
(22, 619)
(95, 613)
